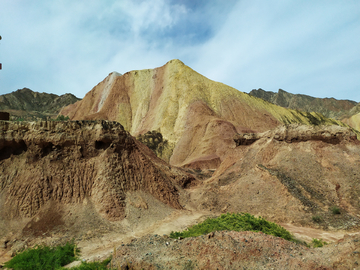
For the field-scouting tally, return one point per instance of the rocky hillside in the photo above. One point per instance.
(53, 173)
(293, 173)
(196, 116)
(329, 107)
(26, 104)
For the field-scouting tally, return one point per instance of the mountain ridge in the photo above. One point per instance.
(329, 107)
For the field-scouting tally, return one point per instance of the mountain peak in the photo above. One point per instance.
(175, 62)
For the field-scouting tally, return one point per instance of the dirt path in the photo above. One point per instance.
(102, 248)
(307, 234)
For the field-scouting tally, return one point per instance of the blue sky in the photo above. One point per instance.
(69, 46)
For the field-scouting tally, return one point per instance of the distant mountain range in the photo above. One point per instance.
(25, 104)
(329, 107)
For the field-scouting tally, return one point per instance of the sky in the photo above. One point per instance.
(68, 46)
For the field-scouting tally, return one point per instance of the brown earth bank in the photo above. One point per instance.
(234, 250)
(68, 178)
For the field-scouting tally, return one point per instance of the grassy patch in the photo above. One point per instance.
(318, 243)
(62, 118)
(43, 257)
(317, 219)
(335, 210)
(93, 265)
(235, 222)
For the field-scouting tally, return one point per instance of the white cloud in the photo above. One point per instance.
(69, 46)
(285, 45)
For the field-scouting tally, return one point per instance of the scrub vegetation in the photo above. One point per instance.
(235, 222)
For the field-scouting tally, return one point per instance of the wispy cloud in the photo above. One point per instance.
(69, 46)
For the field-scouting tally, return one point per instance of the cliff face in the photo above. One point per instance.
(72, 163)
(29, 105)
(329, 107)
(196, 116)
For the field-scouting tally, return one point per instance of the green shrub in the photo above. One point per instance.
(318, 243)
(43, 257)
(235, 222)
(335, 210)
(62, 118)
(93, 265)
(317, 219)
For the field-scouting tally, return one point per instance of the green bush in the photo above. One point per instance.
(235, 222)
(62, 118)
(317, 219)
(43, 257)
(318, 243)
(335, 210)
(93, 265)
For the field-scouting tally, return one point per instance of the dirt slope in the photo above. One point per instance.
(198, 117)
(234, 250)
(289, 174)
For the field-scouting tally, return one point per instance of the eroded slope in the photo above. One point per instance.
(51, 170)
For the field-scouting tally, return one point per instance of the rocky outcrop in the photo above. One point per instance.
(301, 133)
(329, 107)
(155, 141)
(69, 163)
(196, 116)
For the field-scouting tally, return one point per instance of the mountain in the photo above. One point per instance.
(329, 107)
(197, 117)
(29, 105)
